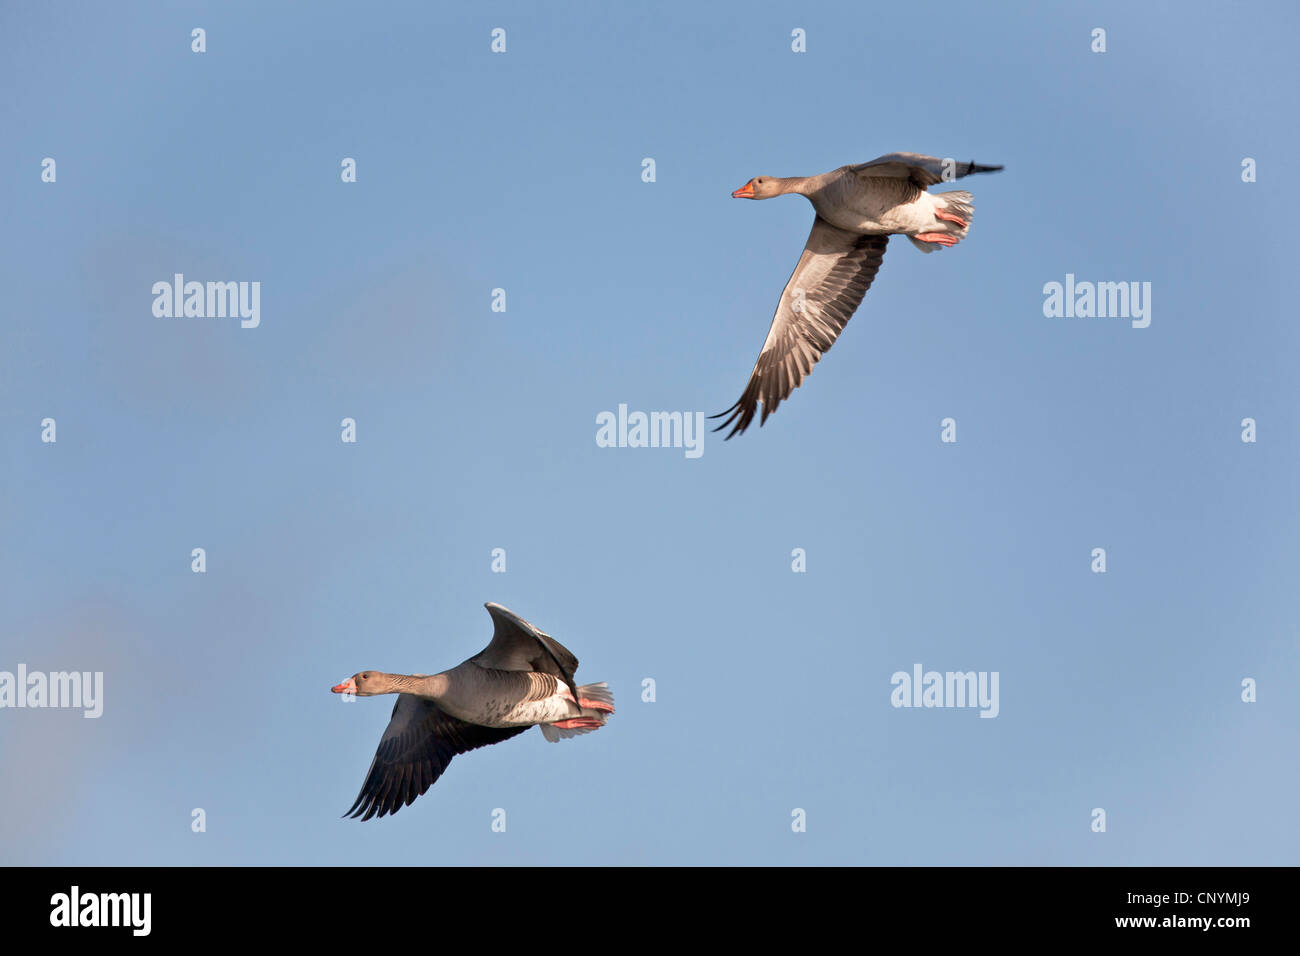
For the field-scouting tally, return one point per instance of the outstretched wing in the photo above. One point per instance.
(416, 748)
(922, 171)
(518, 646)
(833, 274)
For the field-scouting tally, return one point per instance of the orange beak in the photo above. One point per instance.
(744, 192)
(349, 686)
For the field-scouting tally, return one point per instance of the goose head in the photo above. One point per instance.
(364, 684)
(760, 187)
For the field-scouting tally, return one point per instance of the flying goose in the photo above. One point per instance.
(858, 209)
(523, 677)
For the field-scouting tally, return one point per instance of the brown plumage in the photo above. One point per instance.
(523, 677)
(858, 209)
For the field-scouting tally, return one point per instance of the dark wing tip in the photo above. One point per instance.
(731, 414)
(360, 807)
(977, 168)
(742, 413)
(386, 790)
(372, 804)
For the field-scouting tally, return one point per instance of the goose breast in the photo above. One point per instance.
(872, 207)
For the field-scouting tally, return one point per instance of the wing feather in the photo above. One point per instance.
(517, 645)
(825, 289)
(921, 170)
(416, 748)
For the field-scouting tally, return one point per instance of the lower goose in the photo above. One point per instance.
(858, 209)
(523, 677)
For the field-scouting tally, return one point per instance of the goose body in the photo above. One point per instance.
(497, 698)
(858, 208)
(523, 677)
(883, 207)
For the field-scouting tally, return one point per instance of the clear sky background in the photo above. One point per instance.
(476, 430)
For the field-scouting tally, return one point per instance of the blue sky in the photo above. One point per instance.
(476, 430)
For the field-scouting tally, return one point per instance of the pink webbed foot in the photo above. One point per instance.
(940, 237)
(941, 214)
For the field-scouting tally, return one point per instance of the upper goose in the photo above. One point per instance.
(858, 209)
(523, 677)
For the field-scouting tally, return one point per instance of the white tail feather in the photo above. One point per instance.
(599, 693)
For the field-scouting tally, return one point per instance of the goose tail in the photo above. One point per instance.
(953, 213)
(597, 705)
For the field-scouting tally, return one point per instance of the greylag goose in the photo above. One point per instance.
(523, 677)
(858, 209)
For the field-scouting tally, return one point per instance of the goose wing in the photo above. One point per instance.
(416, 748)
(519, 646)
(922, 171)
(826, 287)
